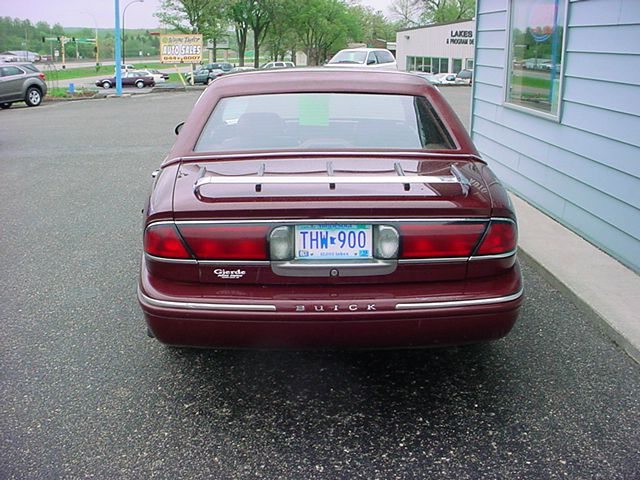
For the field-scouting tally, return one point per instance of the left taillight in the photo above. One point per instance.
(42, 77)
(227, 242)
(439, 240)
(501, 238)
(164, 241)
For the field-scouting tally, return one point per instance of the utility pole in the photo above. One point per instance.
(118, 59)
(63, 40)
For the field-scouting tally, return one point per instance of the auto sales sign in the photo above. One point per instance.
(181, 48)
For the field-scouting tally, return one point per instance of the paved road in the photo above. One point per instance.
(84, 392)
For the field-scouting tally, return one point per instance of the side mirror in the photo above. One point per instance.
(178, 128)
(371, 61)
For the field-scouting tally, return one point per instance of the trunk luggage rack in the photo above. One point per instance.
(207, 177)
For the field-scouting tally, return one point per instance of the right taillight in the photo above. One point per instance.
(164, 241)
(501, 237)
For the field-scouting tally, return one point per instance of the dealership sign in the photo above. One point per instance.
(460, 37)
(181, 48)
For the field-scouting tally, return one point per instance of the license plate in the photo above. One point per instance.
(332, 242)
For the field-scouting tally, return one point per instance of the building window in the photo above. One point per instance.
(536, 32)
(457, 65)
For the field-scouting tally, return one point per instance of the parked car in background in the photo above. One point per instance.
(241, 69)
(131, 78)
(447, 78)
(20, 56)
(21, 82)
(278, 64)
(304, 208)
(203, 75)
(125, 68)
(433, 79)
(164, 75)
(157, 77)
(224, 66)
(364, 57)
(465, 76)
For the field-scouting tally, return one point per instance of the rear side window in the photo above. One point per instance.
(384, 57)
(30, 68)
(312, 121)
(8, 71)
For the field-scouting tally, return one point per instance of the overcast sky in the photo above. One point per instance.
(78, 13)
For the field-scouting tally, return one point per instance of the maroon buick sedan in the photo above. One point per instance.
(322, 208)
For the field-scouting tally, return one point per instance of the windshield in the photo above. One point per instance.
(349, 56)
(311, 121)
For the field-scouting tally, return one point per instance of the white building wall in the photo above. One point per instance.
(436, 41)
(584, 167)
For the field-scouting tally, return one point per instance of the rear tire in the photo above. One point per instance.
(4, 106)
(209, 80)
(106, 85)
(33, 98)
(140, 84)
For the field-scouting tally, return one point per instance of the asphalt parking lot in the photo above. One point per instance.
(86, 394)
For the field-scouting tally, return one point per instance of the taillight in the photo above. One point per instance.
(42, 77)
(431, 240)
(222, 242)
(164, 241)
(502, 237)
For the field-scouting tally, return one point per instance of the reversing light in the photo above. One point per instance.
(164, 241)
(386, 242)
(502, 237)
(281, 243)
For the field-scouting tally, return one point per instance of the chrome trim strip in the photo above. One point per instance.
(319, 180)
(433, 260)
(306, 221)
(232, 263)
(459, 303)
(186, 261)
(227, 307)
(494, 257)
(333, 268)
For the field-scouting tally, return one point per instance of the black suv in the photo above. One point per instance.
(21, 82)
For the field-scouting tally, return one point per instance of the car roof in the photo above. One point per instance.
(363, 49)
(322, 79)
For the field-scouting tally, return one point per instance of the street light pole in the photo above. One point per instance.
(124, 53)
(95, 23)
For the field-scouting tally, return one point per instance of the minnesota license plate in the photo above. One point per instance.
(331, 242)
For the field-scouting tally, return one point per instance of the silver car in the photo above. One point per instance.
(21, 82)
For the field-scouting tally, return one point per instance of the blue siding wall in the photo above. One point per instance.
(584, 170)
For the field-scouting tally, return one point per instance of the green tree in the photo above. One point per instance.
(439, 11)
(259, 21)
(373, 25)
(195, 16)
(324, 26)
(238, 13)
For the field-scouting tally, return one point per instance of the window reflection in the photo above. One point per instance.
(535, 49)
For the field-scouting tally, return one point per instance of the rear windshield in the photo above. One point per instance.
(310, 121)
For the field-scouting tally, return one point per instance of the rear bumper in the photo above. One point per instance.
(349, 316)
